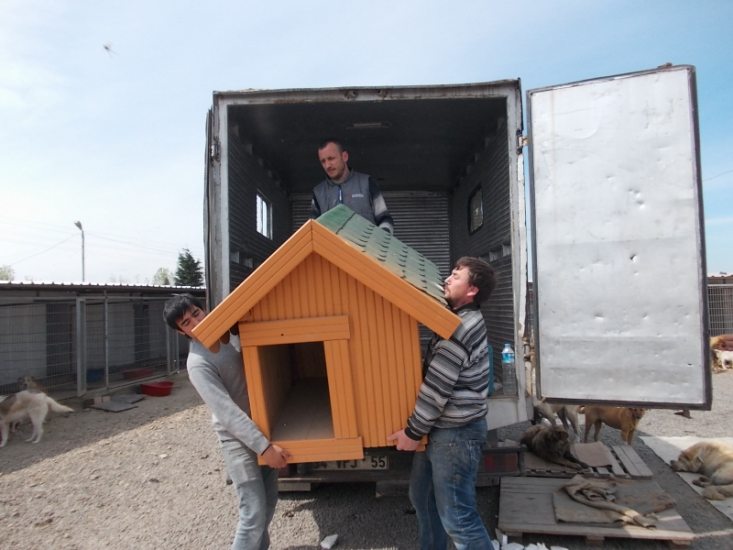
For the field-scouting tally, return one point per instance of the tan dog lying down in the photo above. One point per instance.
(715, 462)
(721, 348)
(625, 419)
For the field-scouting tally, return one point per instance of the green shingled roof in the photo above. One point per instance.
(402, 260)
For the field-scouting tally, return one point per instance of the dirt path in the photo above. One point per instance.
(152, 478)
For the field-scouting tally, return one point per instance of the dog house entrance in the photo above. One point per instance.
(296, 391)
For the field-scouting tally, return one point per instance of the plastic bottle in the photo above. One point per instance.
(508, 372)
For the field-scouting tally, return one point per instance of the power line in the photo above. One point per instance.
(43, 251)
(717, 175)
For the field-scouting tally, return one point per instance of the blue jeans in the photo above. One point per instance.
(257, 494)
(443, 489)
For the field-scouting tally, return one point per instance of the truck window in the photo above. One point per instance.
(264, 216)
(475, 210)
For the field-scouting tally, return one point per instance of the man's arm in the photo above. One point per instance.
(238, 423)
(315, 209)
(382, 217)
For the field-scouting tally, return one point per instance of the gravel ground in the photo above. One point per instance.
(152, 478)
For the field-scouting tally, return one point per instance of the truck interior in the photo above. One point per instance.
(445, 158)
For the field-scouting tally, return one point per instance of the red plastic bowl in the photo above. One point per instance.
(157, 389)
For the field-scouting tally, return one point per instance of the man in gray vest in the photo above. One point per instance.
(345, 186)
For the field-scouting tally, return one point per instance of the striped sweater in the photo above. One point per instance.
(455, 388)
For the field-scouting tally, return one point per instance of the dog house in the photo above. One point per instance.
(330, 332)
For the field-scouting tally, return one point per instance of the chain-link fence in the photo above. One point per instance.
(74, 345)
(720, 309)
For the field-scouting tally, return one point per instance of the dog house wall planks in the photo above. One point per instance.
(330, 339)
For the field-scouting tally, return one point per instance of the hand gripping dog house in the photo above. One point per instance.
(329, 326)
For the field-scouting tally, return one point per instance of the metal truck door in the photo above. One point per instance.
(618, 243)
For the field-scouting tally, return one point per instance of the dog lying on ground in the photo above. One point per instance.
(721, 348)
(715, 462)
(625, 419)
(722, 360)
(568, 415)
(551, 443)
(27, 404)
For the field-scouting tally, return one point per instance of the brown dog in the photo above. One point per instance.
(622, 418)
(715, 462)
(551, 443)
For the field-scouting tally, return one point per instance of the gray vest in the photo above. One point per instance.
(354, 193)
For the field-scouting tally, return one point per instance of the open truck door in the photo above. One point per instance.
(618, 242)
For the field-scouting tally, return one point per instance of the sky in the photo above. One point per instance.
(103, 103)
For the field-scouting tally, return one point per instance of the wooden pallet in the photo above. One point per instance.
(526, 507)
(621, 461)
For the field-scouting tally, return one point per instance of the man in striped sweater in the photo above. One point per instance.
(451, 410)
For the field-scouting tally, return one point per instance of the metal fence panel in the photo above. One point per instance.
(76, 345)
(124, 340)
(720, 309)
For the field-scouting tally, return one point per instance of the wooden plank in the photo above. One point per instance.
(321, 450)
(623, 461)
(632, 462)
(294, 331)
(305, 413)
(519, 494)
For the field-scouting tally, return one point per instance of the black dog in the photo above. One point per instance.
(551, 443)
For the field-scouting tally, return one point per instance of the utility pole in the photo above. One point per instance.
(78, 224)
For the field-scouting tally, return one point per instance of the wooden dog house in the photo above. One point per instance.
(329, 326)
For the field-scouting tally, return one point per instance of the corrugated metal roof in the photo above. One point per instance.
(402, 260)
(96, 286)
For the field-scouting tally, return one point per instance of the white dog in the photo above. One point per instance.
(722, 360)
(27, 404)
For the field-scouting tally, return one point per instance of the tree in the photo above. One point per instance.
(163, 276)
(189, 271)
(6, 273)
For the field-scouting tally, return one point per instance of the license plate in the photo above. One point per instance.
(368, 463)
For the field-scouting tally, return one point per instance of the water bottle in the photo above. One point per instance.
(508, 372)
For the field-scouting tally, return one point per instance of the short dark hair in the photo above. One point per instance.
(335, 141)
(481, 275)
(177, 306)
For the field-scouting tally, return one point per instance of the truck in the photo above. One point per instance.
(592, 218)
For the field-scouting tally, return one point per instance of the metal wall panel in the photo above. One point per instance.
(619, 263)
(247, 176)
(492, 241)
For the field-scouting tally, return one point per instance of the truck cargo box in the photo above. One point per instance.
(613, 240)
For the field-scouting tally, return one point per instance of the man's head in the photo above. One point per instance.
(334, 160)
(183, 312)
(472, 280)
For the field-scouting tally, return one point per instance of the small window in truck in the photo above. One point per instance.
(264, 216)
(475, 210)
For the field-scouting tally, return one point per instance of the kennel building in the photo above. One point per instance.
(77, 338)
(329, 326)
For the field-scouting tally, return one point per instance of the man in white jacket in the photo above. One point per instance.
(218, 377)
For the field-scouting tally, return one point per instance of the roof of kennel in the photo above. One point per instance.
(376, 259)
